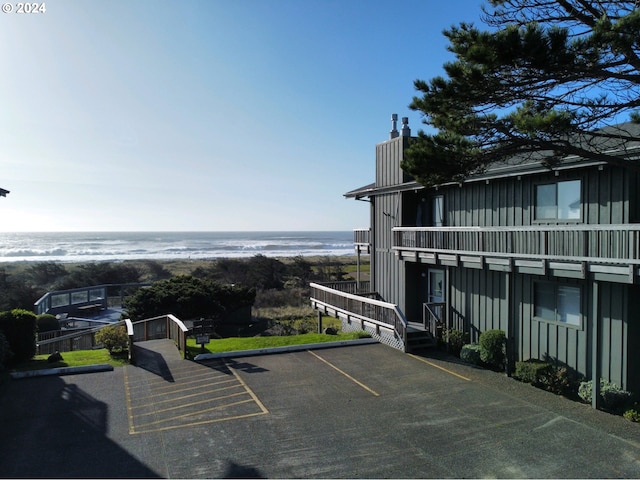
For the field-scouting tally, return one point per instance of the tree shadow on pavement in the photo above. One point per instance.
(51, 429)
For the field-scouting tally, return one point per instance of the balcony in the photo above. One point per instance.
(362, 239)
(606, 252)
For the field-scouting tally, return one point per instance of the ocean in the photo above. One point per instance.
(101, 246)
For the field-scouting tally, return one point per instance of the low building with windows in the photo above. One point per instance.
(551, 256)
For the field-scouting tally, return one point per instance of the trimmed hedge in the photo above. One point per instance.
(5, 351)
(532, 370)
(19, 328)
(47, 323)
(493, 348)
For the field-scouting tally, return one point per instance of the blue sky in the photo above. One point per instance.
(206, 115)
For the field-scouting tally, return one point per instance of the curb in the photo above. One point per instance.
(102, 367)
(290, 348)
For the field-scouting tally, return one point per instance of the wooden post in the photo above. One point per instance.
(595, 340)
(358, 270)
(319, 321)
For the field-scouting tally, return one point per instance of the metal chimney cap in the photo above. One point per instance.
(394, 127)
(406, 131)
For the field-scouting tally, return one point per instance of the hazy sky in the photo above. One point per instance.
(206, 115)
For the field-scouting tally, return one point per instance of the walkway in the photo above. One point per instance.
(165, 392)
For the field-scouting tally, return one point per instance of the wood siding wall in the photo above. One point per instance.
(479, 301)
(510, 201)
(482, 300)
(388, 272)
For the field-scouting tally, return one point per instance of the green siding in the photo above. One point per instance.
(509, 201)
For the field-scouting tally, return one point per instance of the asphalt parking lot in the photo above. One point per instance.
(360, 411)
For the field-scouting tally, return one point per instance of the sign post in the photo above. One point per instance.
(202, 329)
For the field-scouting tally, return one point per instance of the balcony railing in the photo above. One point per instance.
(362, 237)
(608, 244)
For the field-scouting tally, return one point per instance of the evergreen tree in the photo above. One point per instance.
(548, 79)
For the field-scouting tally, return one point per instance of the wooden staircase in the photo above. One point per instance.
(418, 338)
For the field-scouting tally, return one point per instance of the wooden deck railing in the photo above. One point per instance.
(361, 307)
(612, 244)
(164, 326)
(362, 236)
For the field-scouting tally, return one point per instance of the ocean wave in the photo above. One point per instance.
(70, 247)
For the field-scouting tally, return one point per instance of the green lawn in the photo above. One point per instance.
(257, 343)
(92, 357)
(78, 358)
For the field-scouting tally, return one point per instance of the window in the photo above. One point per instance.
(557, 303)
(558, 201)
(437, 206)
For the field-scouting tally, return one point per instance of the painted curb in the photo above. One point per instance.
(103, 367)
(290, 348)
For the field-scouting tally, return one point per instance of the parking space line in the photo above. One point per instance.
(345, 374)
(183, 397)
(191, 424)
(189, 401)
(182, 406)
(440, 368)
(249, 391)
(198, 387)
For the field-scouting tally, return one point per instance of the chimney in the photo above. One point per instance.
(394, 126)
(406, 131)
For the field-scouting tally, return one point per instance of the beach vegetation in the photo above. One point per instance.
(88, 274)
(189, 297)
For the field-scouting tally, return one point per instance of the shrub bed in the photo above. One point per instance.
(470, 353)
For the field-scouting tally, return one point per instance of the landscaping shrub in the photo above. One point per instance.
(530, 371)
(455, 339)
(559, 380)
(47, 323)
(5, 351)
(470, 353)
(612, 397)
(19, 328)
(492, 348)
(633, 413)
(113, 337)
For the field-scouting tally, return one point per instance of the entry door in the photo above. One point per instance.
(436, 286)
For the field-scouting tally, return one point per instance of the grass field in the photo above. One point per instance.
(257, 343)
(81, 358)
(78, 358)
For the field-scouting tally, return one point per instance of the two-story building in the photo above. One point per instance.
(551, 256)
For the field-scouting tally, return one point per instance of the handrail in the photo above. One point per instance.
(430, 317)
(374, 311)
(79, 334)
(167, 326)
